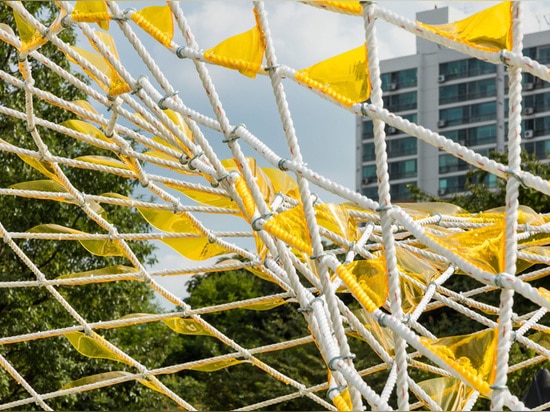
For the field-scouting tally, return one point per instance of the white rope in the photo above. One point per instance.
(308, 278)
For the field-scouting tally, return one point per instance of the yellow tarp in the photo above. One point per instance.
(344, 77)
(243, 52)
(489, 30)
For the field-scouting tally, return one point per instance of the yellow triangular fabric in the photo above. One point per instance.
(92, 12)
(157, 21)
(489, 30)
(449, 393)
(30, 37)
(472, 356)
(366, 280)
(243, 52)
(348, 7)
(344, 77)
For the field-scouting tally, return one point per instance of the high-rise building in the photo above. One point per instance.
(461, 98)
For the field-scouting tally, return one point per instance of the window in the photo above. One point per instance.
(540, 149)
(400, 102)
(369, 174)
(403, 169)
(467, 91)
(370, 192)
(465, 68)
(400, 191)
(474, 136)
(449, 163)
(367, 132)
(468, 114)
(452, 184)
(542, 102)
(544, 55)
(368, 152)
(402, 147)
(542, 126)
(399, 80)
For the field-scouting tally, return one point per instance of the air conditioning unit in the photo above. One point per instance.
(442, 123)
(393, 86)
(367, 180)
(392, 130)
(529, 110)
(442, 192)
(441, 78)
(528, 134)
(529, 86)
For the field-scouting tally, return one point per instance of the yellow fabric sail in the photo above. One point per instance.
(489, 30)
(93, 346)
(472, 356)
(243, 52)
(30, 37)
(352, 7)
(367, 281)
(117, 85)
(92, 12)
(449, 393)
(344, 77)
(157, 21)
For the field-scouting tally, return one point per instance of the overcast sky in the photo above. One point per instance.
(302, 36)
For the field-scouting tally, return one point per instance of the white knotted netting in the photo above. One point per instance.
(392, 261)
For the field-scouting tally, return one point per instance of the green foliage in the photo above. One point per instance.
(245, 384)
(48, 364)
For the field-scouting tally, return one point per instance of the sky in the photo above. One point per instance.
(302, 36)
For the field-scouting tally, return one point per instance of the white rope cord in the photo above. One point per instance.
(311, 259)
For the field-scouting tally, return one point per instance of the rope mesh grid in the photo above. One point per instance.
(286, 234)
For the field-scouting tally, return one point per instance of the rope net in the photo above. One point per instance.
(365, 275)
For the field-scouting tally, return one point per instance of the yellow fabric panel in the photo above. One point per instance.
(243, 52)
(384, 336)
(103, 160)
(489, 30)
(157, 21)
(85, 105)
(367, 281)
(483, 247)
(168, 221)
(348, 7)
(92, 346)
(95, 247)
(344, 77)
(92, 12)
(41, 185)
(95, 60)
(206, 198)
(282, 182)
(196, 248)
(472, 356)
(186, 326)
(85, 128)
(109, 270)
(419, 269)
(336, 219)
(290, 226)
(449, 393)
(117, 85)
(215, 365)
(29, 36)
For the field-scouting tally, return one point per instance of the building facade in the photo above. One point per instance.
(461, 98)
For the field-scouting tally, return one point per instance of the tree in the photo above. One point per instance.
(477, 198)
(48, 364)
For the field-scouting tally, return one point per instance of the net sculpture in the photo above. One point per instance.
(362, 273)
